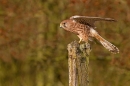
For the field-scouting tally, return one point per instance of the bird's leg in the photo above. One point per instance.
(80, 40)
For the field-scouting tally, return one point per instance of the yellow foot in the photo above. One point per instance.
(80, 41)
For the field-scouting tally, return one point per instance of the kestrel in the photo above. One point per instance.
(84, 28)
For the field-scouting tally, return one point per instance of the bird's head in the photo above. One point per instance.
(66, 24)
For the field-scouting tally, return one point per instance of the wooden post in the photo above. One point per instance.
(78, 63)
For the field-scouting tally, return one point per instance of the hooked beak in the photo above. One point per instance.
(60, 25)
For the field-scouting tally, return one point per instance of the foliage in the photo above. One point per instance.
(33, 47)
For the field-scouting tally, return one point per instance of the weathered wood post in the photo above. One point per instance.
(78, 63)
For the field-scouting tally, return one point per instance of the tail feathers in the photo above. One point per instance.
(112, 48)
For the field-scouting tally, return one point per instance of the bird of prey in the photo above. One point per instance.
(84, 28)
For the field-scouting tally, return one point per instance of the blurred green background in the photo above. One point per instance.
(33, 49)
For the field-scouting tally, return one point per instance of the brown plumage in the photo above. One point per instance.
(83, 27)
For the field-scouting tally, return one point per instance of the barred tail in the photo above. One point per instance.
(104, 42)
(112, 48)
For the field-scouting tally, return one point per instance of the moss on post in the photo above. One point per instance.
(78, 62)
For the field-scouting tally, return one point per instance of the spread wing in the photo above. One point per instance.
(89, 20)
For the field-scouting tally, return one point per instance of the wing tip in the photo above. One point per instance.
(110, 19)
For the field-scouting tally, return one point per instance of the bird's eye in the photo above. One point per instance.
(64, 24)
